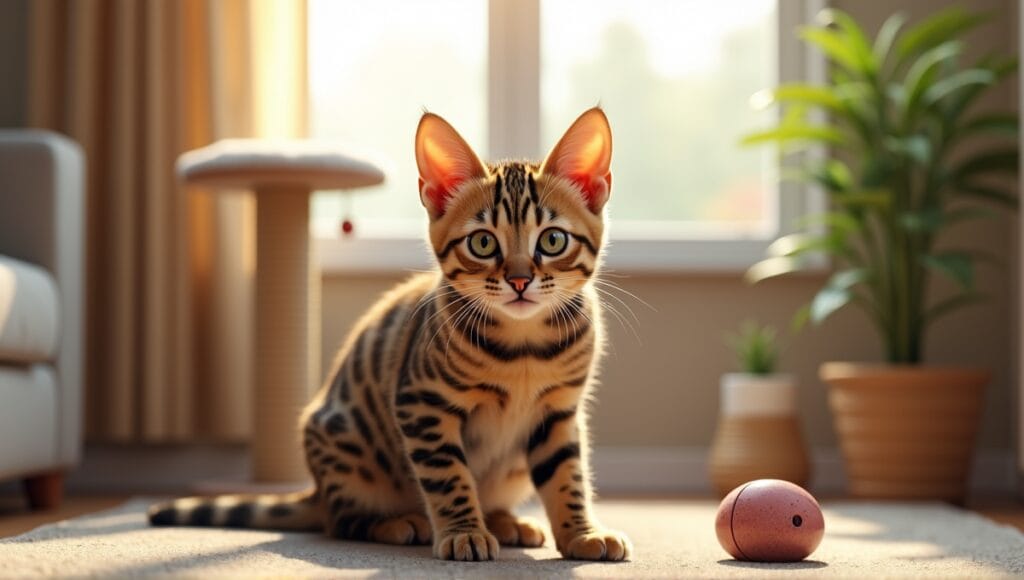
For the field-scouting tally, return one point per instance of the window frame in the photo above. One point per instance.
(513, 128)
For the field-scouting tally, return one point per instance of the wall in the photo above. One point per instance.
(661, 390)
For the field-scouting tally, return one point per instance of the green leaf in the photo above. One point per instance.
(873, 198)
(897, 94)
(855, 39)
(886, 36)
(821, 96)
(925, 220)
(932, 219)
(833, 175)
(802, 243)
(1000, 66)
(756, 347)
(790, 133)
(834, 46)
(939, 28)
(915, 147)
(858, 108)
(771, 267)
(956, 82)
(957, 266)
(987, 193)
(1004, 160)
(836, 293)
(800, 318)
(876, 170)
(834, 220)
(997, 124)
(848, 278)
(827, 301)
(922, 73)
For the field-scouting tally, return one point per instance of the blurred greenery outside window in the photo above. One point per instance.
(674, 76)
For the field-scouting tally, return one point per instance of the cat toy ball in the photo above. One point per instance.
(769, 520)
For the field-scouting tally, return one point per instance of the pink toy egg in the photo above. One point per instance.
(769, 520)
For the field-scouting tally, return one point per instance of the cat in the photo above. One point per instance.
(462, 392)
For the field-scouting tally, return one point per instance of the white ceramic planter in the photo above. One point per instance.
(758, 432)
(747, 395)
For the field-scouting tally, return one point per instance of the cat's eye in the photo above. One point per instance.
(483, 244)
(552, 242)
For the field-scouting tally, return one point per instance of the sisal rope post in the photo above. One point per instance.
(287, 334)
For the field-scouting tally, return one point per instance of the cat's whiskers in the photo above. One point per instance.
(582, 312)
(615, 286)
(605, 288)
(443, 309)
(428, 299)
(479, 318)
(623, 321)
(619, 317)
(602, 292)
(563, 298)
(467, 319)
(556, 312)
(451, 324)
(470, 322)
(470, 299)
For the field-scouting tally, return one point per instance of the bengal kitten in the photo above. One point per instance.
(463, 391)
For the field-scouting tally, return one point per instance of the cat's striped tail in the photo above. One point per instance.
(290, 511)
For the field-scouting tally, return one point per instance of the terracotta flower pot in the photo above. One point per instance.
(906, 432)
(758, 433)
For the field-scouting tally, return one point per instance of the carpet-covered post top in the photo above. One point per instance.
(258, 164)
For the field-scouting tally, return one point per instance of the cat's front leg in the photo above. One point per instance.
(556, 467)
(431, 428)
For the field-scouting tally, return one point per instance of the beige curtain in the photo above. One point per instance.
(170, 294)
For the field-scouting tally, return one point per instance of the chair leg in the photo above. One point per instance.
(45, 490)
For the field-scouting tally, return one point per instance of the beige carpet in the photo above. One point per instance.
(672, 539)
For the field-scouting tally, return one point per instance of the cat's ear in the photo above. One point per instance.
(445, 161)
(584, 155)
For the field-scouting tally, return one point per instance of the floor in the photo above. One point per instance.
(1007, 511)
(16, 518)
(672, 539)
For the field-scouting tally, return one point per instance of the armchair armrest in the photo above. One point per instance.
(42, 221)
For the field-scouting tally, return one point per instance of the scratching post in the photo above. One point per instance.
(282, 174)
(287, 297)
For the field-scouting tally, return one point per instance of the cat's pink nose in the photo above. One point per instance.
(519, 282)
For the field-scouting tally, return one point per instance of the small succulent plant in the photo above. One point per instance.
(756, 346)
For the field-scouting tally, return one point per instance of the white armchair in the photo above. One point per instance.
(42, 241)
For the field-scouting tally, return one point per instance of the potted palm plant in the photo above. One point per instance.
(896, 112)
(758, 432)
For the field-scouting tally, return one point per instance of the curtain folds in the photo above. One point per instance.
(170, 297)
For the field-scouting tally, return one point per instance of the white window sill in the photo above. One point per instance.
(395, 255)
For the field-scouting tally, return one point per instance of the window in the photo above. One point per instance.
(675, 77)
(373, 67)
(677, 88)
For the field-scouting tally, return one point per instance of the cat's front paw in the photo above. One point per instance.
(471, 546)
(606, 545)
(512, 530)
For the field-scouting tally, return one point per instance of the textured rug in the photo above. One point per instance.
(672, 539)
